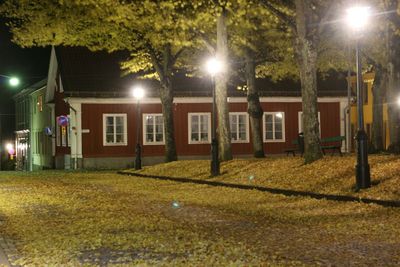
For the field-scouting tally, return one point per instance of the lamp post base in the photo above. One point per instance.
(363, 177)
(214, 158)
(138, 159)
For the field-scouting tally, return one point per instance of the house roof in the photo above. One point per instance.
(30, 89)
(98, 74)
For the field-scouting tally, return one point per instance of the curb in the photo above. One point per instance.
(285, 192)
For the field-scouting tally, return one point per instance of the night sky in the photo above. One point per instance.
(29, 65)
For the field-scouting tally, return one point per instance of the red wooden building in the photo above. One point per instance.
(102, 128)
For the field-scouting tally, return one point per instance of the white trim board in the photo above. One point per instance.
(182, 100)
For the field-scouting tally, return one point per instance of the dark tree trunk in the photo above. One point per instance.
(164, 70)
(306, 53)
(254, 107)
(378, 89)
(393, 92)
(221, 83)
(166, 96)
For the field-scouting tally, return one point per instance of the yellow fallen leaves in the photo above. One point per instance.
(330, 175)
(100, 218)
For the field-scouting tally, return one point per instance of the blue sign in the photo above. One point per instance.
(48, 131)
(62, 120)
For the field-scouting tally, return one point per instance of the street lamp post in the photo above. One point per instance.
(357, 18)
(214, 67)
(138, 93)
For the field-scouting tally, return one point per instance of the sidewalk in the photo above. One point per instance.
(8, 252)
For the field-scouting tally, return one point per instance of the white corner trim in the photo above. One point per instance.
(76, 130)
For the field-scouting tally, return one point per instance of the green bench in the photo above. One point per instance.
(296, 147)
(332, 143)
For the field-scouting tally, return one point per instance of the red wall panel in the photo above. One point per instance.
(92, 119)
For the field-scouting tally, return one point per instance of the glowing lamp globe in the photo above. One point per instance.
(14, 81)
(138, 93)
(357, 17)
(214, 66)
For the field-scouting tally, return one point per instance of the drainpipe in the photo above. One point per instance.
(76, 139)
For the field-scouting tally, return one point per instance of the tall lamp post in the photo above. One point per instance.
(357, 18)
(138, 94)
(214, 66)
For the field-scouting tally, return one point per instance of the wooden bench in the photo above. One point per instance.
(296, 147)
(332, 143)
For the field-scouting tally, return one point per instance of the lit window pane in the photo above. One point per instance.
(159, 120)
(150, 129)
(194, 137)
(109, 138)
(149, 138)
(278, 127)
(110, 121)
(119, 121)
(268, 119)
(204, 119)
(119, 129)
(110, 129)
(233, 136)
(159, 137)
(149, 120)
(119, 138)
(159, 128)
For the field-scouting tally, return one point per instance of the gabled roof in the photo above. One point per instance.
(98, 74)
(30, 89)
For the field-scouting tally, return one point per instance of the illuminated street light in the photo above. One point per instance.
(138, 93)
(214, 66)
(398, 101)
(357, 19)
(12, 81)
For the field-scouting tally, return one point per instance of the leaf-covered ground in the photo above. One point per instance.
(331, 175)
(100, 218)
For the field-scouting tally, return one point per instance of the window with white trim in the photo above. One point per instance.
(114, 130)
(153, 129)
(199, 128)
(239, 125)
(300, 116)
(274, 126)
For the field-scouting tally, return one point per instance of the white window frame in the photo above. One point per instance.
(208, 114)
(247, 140)
(283, 127)
(124, 115)
(300, 122)
(145, 142)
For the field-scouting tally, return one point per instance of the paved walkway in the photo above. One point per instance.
(8, 252)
